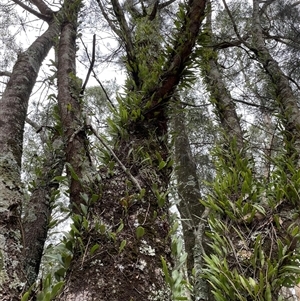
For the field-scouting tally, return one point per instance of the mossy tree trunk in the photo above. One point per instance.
(192, 212)
(120, 249)
(286, 101)
(13, 110)
(37, 210)
(240, 204)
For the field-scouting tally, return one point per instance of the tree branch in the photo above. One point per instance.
(165, 4)
(125, 32)
(232, 20)
(264, 7)
(282, 39)
(5, 73)
(109, 21)
(34, 12)
(251, 104)
(43, 7)
(91, 69)
(228, 44)
(154, 11)
(185, 41)
(233, 23)
(92, 62)
(134, 180)
(295, 4)
(127, 40)
(186, 104)
(33, 124)
(104, 90)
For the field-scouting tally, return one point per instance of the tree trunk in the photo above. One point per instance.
(286, 100)
(130, 229)
(239, 208)
(219, 95)
(73, 124)
(190, 209)
(37, 212)
(123, 240)
(13, 110)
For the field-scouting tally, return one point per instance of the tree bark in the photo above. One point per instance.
(286, 100)
(79, 166)
(219, 95)
(127, 234)
(13, 110)
(190, 209)
(37, 212)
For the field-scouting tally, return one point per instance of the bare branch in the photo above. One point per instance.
(104, 90)
(43, 7)
(91, 69)
(295, 4)
(232, 20)
(5, 73)
(34, 12)
(124, 33)
(127, 39)
(265, 6)
(154, 11)
(227, 44)
(126, 170)
(283, 40)
(251, 104)
(33, 124)
(186, 104)
(38, 129)
(92, 62)
(109, 21)
(165, 4)
(294, 82)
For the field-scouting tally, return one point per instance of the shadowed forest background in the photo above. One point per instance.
(149, 150)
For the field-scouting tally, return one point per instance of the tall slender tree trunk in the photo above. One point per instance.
(13, 110)
(219, 95)
(286, 100)
(190, 209)
(241, 212)
(73, 122)
(37, 212)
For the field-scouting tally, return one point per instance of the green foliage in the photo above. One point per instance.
(140, 231)
(58, 259)
(71, 9)
(75, 85)
(26, 296)
(122, 245)
(176, 278)
(252, 236)
(160, 196)
(143, 78)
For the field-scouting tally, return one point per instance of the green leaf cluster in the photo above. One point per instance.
(246, 260)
